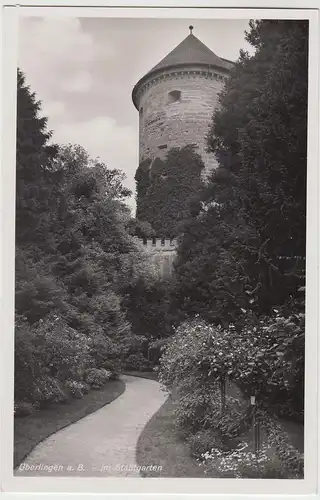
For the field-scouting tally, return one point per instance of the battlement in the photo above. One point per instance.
(160, 243)
(163, 252)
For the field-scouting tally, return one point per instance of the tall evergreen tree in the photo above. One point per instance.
(246, 247)
(34, 157)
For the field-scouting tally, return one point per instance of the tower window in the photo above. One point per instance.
(141, 111)
(174, 96)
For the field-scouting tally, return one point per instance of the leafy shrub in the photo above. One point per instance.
(203, 441)
(200, 410)
(23, 408)
(114, 367)
(77, 389)
(137, 362)
(26, 364)
(61, 349)
(110, 365)
(107, 373)
(47, 391)
(147, 301)
(103, 348)
(96, 378)
(264, 357)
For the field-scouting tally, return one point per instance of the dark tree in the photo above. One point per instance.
(246, 247)
(34, 158)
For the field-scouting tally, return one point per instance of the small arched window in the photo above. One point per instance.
(174, 96)
(141, 111)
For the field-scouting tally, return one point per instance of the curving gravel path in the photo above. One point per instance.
(101, 443)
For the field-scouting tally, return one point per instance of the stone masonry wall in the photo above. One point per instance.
(163, 254)
(165, 124)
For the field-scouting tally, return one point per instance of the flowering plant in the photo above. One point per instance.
(240, 462)
(76, 388)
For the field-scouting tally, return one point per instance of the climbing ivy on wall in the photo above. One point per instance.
(167, 188)
(142, 179)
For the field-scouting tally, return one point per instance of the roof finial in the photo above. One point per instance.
(191, 28)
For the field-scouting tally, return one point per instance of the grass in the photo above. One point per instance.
(160, 444)
(32, 429)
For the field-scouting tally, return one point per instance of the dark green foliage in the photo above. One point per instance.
(148, 305)
(203, 441)
(140, 229)
(241, 261)
(34, 157)
(166, 190)
(142, 178)
(210, 275)
(73, 255)
(137, 362)
(264, 359)
(246, 246)
(96, 378)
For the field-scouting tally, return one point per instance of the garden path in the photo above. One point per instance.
(98, 443)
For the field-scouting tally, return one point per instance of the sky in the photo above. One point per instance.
(84, 69)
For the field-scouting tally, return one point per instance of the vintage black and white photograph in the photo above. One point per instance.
(160, 236)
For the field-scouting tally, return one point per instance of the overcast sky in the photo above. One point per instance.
(83, 71)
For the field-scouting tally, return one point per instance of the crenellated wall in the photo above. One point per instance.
(176, 101)
(162, 244)
(164, 253)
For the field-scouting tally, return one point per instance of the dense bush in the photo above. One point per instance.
(114, 367)
(264, 357)
(76, 389)
(137, 362)
(96, 377)
(48, 390)
(259, 358)
(203, 441)
(148, 310)
(26, 366)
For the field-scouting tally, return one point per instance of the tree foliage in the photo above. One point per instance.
(246, 246)
(241, 261)
(34, 156)
(74, 254)
(264, 359)
(166, 190)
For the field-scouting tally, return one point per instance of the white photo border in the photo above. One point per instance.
(14, 487)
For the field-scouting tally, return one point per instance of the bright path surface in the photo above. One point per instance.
(102, 442)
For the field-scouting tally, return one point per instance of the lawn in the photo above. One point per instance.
(31, 430)
(160, 444)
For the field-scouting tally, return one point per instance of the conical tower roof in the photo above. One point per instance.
(191, 51)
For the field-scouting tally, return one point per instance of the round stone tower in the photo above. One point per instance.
(176, 100)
